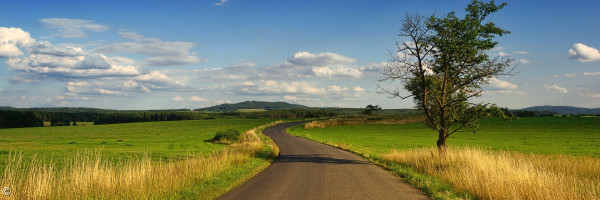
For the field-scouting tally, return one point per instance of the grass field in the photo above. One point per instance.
(547, 135)
(131, 161)
(530, 158)
(161, 140)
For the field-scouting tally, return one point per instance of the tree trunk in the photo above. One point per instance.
(441, 143)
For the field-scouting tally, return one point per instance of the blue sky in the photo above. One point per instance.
(191, 54)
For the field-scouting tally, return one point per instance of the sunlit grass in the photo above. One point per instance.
(89, 175)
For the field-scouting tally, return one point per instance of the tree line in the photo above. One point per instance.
(15, 119)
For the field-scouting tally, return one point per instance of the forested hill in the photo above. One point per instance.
(253, 105)
(564, 110)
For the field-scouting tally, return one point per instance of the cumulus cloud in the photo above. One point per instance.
(72, 28)
(324, 65)
(524, 61)
(161, 53)
(501, 84)
(584, 53)
(84, 88)
(158, 80)
(358, 89)
(336, 72)
(271, 87)
(555, 88)
(322, 59)
(11, 39)
(77, 67)
(500, 87)
(503, 54)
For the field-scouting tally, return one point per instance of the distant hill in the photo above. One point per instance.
(253, 105)
(564, 110)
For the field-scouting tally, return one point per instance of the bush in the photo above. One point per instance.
(228, 136)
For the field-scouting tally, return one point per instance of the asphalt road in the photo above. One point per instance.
(310, 170)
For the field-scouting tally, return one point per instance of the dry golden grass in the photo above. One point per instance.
(89, 176)
(360, 120)
(509, 175)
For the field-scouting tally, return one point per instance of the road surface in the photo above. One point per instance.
(310, 170)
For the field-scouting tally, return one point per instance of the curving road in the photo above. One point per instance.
(310, 170)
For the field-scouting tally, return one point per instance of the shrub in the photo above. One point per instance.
(227, 136)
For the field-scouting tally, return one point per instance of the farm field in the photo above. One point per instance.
(137, 160)
(530, 158)
(160, 140)
(546, 135)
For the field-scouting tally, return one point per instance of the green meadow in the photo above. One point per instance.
(159, 140)
(545, 135)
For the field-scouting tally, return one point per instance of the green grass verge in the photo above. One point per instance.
(546, 135)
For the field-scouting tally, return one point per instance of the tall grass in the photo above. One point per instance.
(508, 175)
(90, 176)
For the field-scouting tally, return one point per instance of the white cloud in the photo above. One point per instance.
(161, 53)
(503, 54)
(591, 73)
(501, 84)
(196, 98)
(584, 53)
(336, 72)
(322, 59)
(77, 67)
(555, 88)
(72, 28)
(158, 80)
(271, 87)
(358, 89)
(524, 61)
(220, 3)
(522, 52)
(335, 88)
(11, 39)
(306, 65)
(177, 98)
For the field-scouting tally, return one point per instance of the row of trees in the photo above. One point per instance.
(15, 119)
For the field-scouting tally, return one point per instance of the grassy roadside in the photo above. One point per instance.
(236, 175)
(549, 158)
(91, 176)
